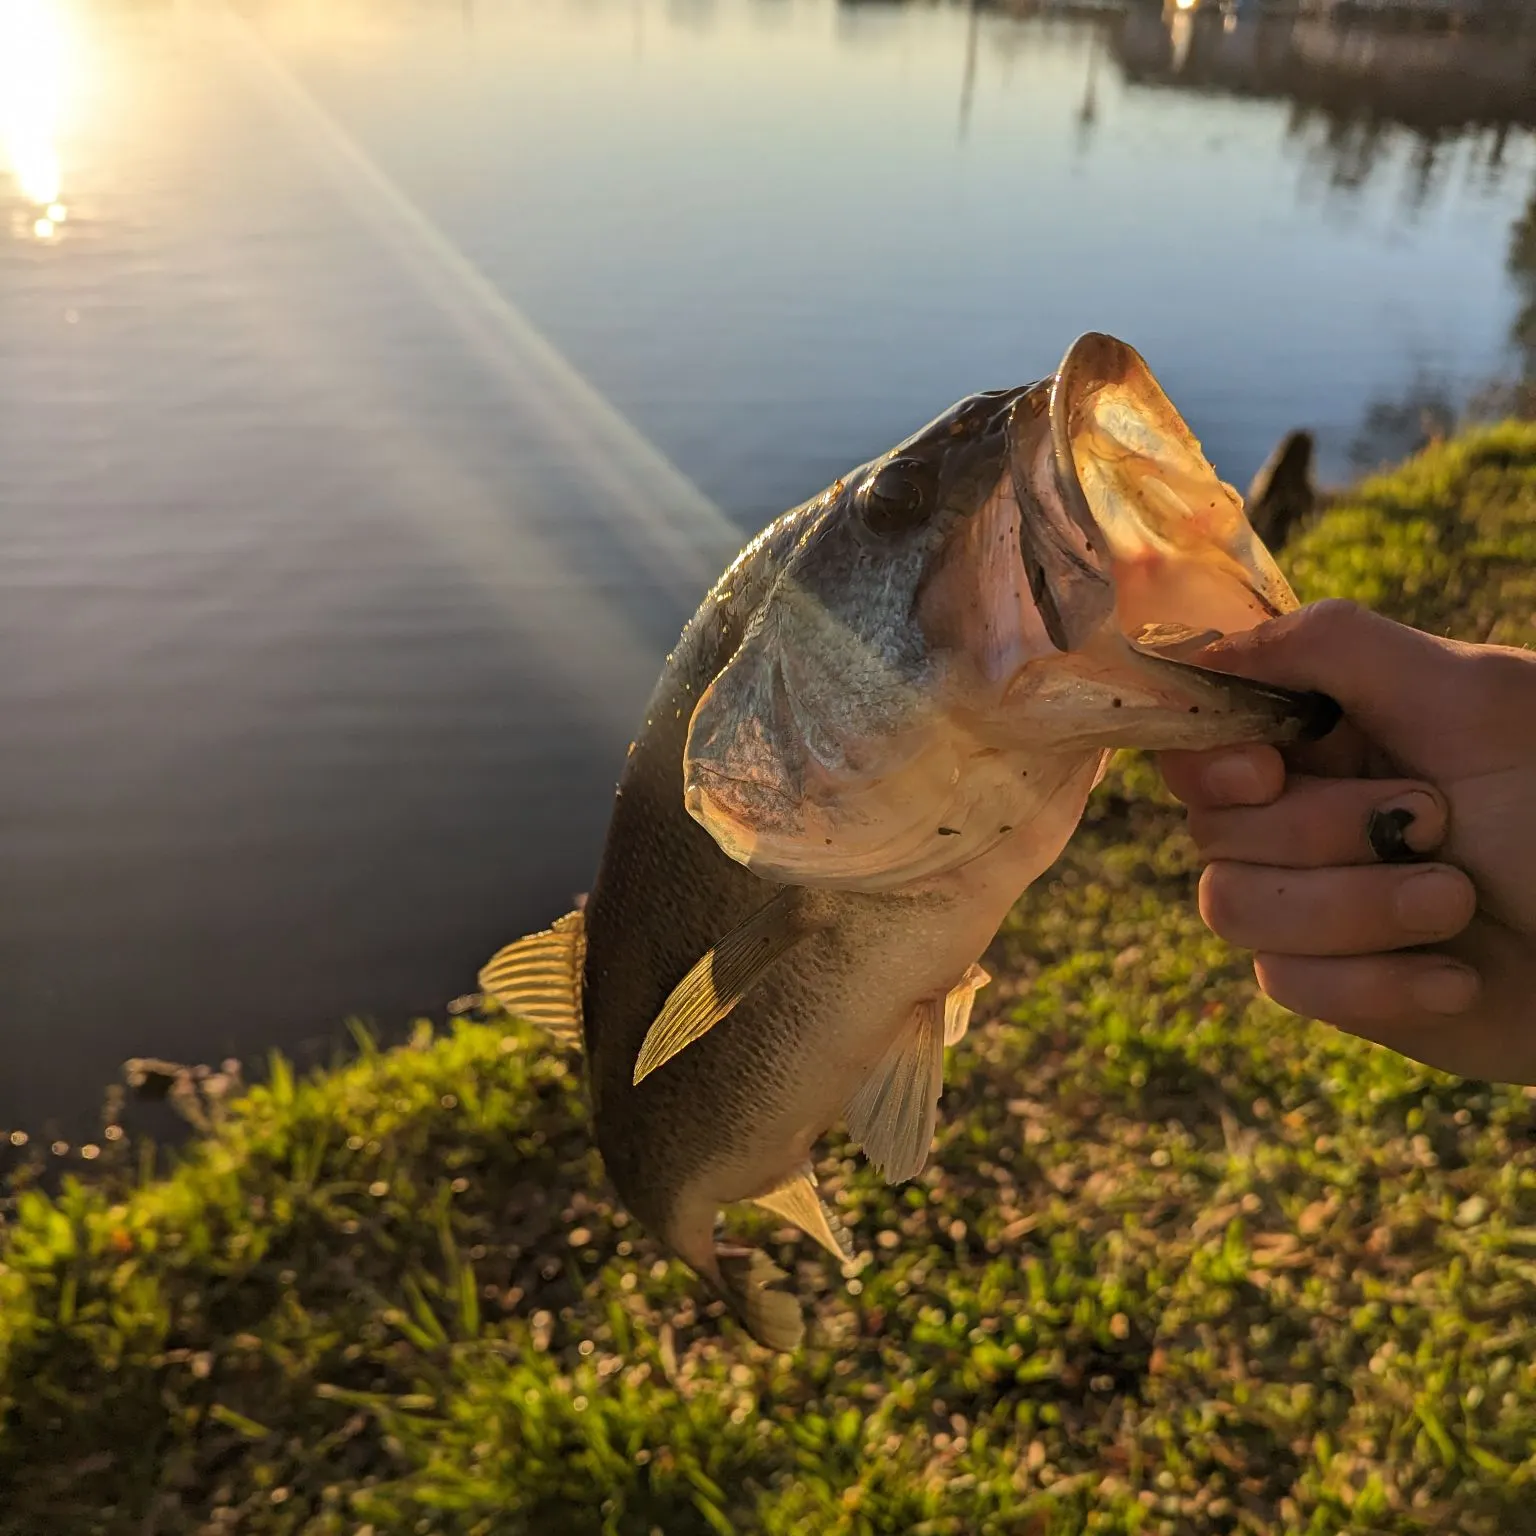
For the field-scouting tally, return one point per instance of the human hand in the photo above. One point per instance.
(1436, 755)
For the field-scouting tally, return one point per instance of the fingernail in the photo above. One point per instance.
(1404, 827)
(1233, 781)
(1446, 989)
(1432, 902)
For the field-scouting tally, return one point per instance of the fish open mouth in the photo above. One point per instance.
(1179, 550)
(1137, 556)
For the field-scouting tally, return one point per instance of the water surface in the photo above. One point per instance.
(381, 381)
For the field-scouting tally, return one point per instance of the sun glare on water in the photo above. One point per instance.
(34, 55)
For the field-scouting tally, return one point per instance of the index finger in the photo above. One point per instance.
(1223, 777)
(1368, 663)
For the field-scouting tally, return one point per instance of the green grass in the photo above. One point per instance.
(1181, 1263)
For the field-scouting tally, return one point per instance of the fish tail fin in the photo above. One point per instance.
(539, 978)
(772, 1317)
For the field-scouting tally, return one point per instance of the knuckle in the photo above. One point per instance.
(1330, 824)
(1329, 621)
(1181, 773)
(1222, 903)
(1278, 981)
(1338, 989)
(1205, 829)
(1304, 829)
(1504, 680)
(1292, 833)
(1316, 842)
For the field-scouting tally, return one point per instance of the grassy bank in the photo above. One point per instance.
(1181, 1263)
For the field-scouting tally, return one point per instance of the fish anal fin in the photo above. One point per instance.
(772, 1317)
(961, 999)
(539, 978)
(796, 1201)
(721, 978)
(893, 1115)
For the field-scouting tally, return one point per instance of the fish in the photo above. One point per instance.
(881, 725)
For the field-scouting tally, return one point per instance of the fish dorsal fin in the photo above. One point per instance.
(961, 999)
(539, 978)
(796, 1201)
(721, 979)
(893, 1115)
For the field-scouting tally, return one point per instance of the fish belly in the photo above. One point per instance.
(861, 996)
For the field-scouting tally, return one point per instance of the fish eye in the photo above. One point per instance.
(897, 496)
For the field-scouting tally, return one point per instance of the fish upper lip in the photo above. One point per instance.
(1059, 414)
(1064, 540)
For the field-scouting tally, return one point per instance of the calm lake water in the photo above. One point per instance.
(381, 382)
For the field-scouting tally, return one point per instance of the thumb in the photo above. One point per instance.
(1396, 685)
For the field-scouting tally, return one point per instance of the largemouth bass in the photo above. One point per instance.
(880, 726)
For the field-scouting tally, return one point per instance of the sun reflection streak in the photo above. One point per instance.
(659, 518)
(33, 69)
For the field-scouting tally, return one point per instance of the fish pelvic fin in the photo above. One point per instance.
(961, 999)
(796, 1201)
(893, 1115)
(721, 979)
(772, 1317)
(539, 978)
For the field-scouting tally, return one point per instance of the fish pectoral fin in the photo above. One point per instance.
(772, 1317)
(721, 979)
(796, 1201)
(893, 1115)
(539, 978)
(961, 999)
